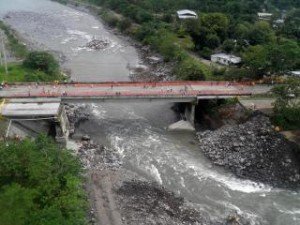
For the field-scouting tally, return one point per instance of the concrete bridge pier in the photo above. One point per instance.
(187, 122)
(189, 112)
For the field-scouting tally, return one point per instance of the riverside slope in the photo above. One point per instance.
(253, 150)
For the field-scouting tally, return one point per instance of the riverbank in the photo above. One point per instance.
(254, 150)
(151, 67)
(18, 50)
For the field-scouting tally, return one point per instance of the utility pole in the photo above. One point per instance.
(3, 53)
(1, 61)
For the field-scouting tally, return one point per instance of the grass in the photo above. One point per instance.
(18, 73)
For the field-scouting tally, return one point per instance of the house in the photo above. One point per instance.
(264, 16)
(278, 23)
(225, 59)
(295, 73)
(186, 14)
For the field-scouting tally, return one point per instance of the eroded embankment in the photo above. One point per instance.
(254, 150)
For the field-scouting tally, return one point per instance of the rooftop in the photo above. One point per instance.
(231, 58)
(186, 13)
(262, 14)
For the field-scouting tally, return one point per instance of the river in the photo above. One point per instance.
(138, 130)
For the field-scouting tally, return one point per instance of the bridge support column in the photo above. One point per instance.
(189, 112)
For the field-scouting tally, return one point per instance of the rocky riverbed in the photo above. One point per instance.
(123, 197)
(254, 150)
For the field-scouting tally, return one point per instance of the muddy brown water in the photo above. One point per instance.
(138, 130)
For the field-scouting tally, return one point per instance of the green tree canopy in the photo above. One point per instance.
(256, 58)
(40, 60)
(287, 105)
(40, 183)
(261, 33)
(292, 24)
(190, 69)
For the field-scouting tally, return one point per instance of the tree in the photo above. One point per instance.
(242, 30)
(256, 58)
(212, 41)
(261, 33)
(190, 69)
(216, 23)
(228, 45)
(286, 107)
(292, 24)
(284, 56)
(40, 60)
(40, 183)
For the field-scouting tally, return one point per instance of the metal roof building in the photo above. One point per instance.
(186, 14)
(225, 59)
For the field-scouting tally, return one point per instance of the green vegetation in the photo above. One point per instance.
(287, 105)
(40, 183)
(19, 73)
(230, 26)
(19, 49)
(42, 61)
(191, 69)
(37, 65)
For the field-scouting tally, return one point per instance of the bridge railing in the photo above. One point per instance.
(138, 84)
(152, 93)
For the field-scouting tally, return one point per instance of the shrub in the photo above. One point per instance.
(206, 53)
(111, 20)
(191, 69)
(43, 61)
(238, 74)
(124, 24)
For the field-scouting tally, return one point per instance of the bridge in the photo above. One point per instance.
(33, 108)
(176, 91)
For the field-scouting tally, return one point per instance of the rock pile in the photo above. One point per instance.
(147, 203)
(253, 150)
(95, 156)
(97, 44)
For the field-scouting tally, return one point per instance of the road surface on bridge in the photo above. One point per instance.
(163, 90)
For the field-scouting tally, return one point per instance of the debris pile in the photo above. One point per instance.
(76, 114)
(147, 203)
(95, 156)
(97, 44)
(253, 150)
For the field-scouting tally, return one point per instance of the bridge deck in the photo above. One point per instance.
(126, 90)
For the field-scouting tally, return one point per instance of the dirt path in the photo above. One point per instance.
(104, 204)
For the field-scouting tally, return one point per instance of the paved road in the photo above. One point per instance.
(129, 89)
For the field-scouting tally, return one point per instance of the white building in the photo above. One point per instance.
(186, 14)
(225, 59)
(264, 16)
(295, 73)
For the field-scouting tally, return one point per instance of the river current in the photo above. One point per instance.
(138, 130)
